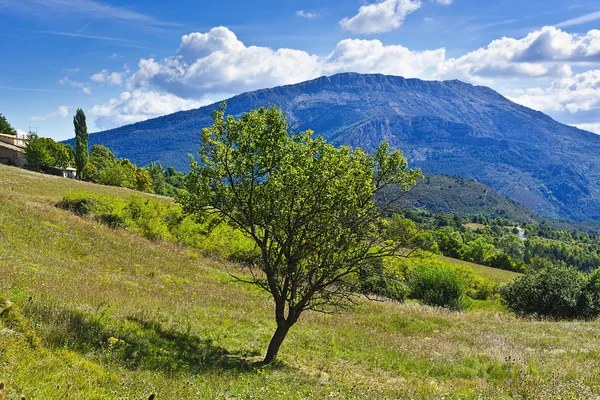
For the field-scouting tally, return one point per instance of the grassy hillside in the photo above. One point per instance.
(99, 313)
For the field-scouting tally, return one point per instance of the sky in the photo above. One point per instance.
(124, 61)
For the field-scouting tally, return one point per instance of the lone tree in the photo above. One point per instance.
(307, 205)
(81, 142)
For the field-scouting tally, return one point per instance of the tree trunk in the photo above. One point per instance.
(276, 340)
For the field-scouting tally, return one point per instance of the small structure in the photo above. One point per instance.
(12, 150)
(64, 172)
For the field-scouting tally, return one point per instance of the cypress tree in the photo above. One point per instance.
(81, 139)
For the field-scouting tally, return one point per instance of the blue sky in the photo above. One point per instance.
(126, 61)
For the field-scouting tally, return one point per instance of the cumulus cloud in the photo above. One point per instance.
(580, 93)
(114, 78)
(368, 56)
(548, 52)
(216, 63)
(383, 16)
(61, 112)
(305, 14)
(131, 107)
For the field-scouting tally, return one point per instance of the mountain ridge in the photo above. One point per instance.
(448, 127)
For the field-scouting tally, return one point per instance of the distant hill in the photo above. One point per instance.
(464, 197)
(446, 127)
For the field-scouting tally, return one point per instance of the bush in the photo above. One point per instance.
(82, 206)
(440, 286)
(112, 220)
(556, 292)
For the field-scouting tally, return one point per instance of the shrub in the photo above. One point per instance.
(440, 286)
(552, 291)
(113, 220)
(80, 205)
(382, 278)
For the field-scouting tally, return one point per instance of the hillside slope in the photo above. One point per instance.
(103, 314)
(443, 127)
(464, 197)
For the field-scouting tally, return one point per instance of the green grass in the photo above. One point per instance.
(105, 314)
(498, 276)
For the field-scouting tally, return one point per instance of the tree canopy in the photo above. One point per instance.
(45, 152)
(5, 127)
(307, 205)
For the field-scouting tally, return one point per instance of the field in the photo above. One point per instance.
(88, 312)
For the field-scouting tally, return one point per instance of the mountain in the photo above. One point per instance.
(448, 127)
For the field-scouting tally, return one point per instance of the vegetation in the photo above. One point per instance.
(451, 194)
(165, 182)
(81, 142)
(104, 168)
(555, 292)
(306, 205)
(5, 127)
(45, 152)
(117, 315)
(442, 287)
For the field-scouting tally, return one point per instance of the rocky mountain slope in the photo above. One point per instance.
(446, 127)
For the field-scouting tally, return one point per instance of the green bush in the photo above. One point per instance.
(112, 220)
(556, 292)
(440, 286)
(80, 205)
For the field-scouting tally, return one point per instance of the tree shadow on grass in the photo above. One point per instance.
(141, 344)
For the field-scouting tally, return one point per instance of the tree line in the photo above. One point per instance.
(99, 165)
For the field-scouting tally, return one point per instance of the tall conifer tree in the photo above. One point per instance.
(81, 139)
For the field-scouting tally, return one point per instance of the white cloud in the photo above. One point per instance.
(61, 112)
(114, 78)
(383, 16)
(131, 107)
(548, 52)
(444, 2)
(305, 14)
(577, 94)
(212, 64)
(595, 128)
(371, 56)
(218, 61)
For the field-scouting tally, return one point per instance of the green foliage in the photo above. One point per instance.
(376, 279)
(306, 204)
(45, 152)
(160, 220)
(165, 182)
(555, 292)
(479, 251)
(5, 127)
(105, 168)
(81, 205)
(439, 286)
(81, 142)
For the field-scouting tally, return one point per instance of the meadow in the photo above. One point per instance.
(91, 312)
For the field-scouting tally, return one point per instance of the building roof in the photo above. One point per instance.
(12, 147)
